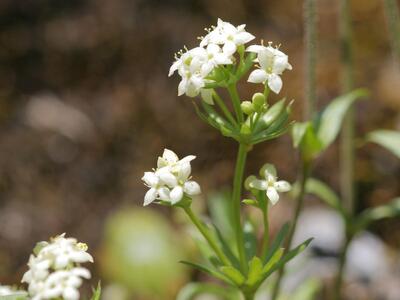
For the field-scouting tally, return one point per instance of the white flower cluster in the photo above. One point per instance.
(171, 180)
(6, 290)
(218, 48)
(268, 183)
(55, 271)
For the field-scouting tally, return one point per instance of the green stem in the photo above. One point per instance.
(206, 234)
(347, 137)
(265, 241)
(249, 296)
(393, 21)
(310, 39)
(305, 173)
(341, 267)
(236, 199)
(236, 102)
(224, 109)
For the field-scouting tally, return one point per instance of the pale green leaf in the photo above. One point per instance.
(255, 270)
(388, 139)
(191, 290)
(233, 274)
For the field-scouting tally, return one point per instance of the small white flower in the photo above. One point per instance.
(272, 64)
(268, 183)
(55, 271)
(171, 180)
(6, 290)
(227, 35)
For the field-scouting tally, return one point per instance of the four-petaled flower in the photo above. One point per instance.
(268, 183)
(227, 35)
(272, 64)
(171, 180)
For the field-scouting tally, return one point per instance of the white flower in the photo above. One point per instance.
(6, 290)
(55, 271)
(171, 180)
(272, 64)
(268, 183)
(227, 35)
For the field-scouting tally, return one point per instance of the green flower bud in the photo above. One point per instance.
(247, 107)
(258, 101)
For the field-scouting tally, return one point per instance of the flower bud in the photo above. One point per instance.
(258, 101)
(247, 107)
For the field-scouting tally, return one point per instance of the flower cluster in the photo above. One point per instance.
(55, 271)
(171, 180)
(6, 290)
(217, 49)
(268, 183)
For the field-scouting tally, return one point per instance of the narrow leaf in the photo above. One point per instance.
(332, 117)
(96, 292)
(255, 270)
(207, 270)
(388, 139)
(233, 274)
(298, 131)
(191, 290)
(277, 243)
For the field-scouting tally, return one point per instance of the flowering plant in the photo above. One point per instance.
(221, 60)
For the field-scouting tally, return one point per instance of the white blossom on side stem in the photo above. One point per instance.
(268, 183)
(171, 180)
(272, 64)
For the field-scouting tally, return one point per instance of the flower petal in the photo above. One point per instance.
(282, 186)
(150, 178)
(229, 48)
(275, 83)
(192, 188)
(170, 156)
(176, 194)
(272, 195)
(255, 48)
(258, 184)
(168, 178)
(150, 196)
(163, 194)
(268, 169)
(243, 38)
(258, 76)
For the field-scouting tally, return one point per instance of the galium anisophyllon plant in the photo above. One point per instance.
(219, 62)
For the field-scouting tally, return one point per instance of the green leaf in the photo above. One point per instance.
(388, 139)
(255, 271)
(273, 260)
(325, 193)
(298, 131)
(233, 274)
(277, 243)
(378, 213)
(226, 248)
(191, 290)
(250, 240)
(273, 113)
(96, 292)
(333, 115)
(207, 270)
(15, 296)
(311, 146)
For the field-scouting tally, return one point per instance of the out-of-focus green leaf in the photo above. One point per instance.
(227, 248)
(250, 240)
(207, 270)
(307, 290)
(388, 139)
(96, 292)
(370, 215)
(276, 244)
(255, 270)
(233, 274)
(15, 296)
(298, 131)
(310, 145)
(191, 290)
(332, 117)
(325, 193)
(273, 260)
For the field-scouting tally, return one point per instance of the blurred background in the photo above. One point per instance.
(86, 107)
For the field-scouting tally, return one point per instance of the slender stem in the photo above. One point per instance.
(310, 38)
(305, 173)
(236, 198)
(224, 109)
(203, 230)
(341, 267)
(393, 21)
(236, 102)
(249, 296)
(347, 138)
(265, 242)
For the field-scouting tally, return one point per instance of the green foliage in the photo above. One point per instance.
(191, 290)
(16, 296)
(389, 139)
(314, 137)
(96, 292)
